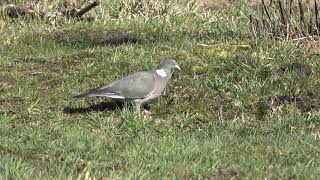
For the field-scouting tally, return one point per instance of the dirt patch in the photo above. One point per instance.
(298, 68)
(274, 176)
(54, 67)
(229, 110)
(47, 88)
(5, 152)
(183, 92)
(181, 171)
(116, 37)
(69, 62)
(36, 67)
(225, 174)
(42, 68)
(7, 81)
(304, 103)
(203, 107)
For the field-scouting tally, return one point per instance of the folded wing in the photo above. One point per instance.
(135, 86)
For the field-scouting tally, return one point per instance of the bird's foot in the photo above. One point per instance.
(147, 113)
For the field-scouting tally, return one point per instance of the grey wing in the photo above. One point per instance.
(138, 85)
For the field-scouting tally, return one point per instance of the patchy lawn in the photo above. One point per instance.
(232, 112)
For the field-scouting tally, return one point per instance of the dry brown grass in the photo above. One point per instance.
(226, 3)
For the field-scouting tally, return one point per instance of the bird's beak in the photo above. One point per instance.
(177, 67)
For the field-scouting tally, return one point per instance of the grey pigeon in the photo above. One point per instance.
(140, 88)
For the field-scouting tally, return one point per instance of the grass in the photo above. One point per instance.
(208, 124)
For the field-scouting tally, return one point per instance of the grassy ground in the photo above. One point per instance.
(216, 119)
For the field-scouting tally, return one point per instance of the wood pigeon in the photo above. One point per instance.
(140, 88)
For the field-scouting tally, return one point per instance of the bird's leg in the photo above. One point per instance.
(147, 106)
(138, 107)
(146, 111)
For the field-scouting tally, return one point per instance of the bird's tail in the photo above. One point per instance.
(88, 93)
(82, 95)
(98, 92)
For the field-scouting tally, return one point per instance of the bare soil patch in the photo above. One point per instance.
(299, 68)
(54, 67)
(7, 80)
(304, 103)
(225, 174)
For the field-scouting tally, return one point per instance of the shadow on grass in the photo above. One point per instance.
(92, 37)
(103, 106)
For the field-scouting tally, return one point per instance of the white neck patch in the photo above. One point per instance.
(161, 72)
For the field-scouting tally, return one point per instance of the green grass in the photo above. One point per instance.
(208, 124)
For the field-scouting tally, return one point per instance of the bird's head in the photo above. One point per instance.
(169, 64)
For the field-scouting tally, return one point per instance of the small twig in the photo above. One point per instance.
(309, 37)
(252, 27)
(302, 20)
(317, 16)
(262, 13)
(258, 27)
(283, 18)
(290, 7)
(88, 8)
(264, 22)
(299, 39)
(288, 31)
(15, 11)
(310, 23)
(266, 10)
